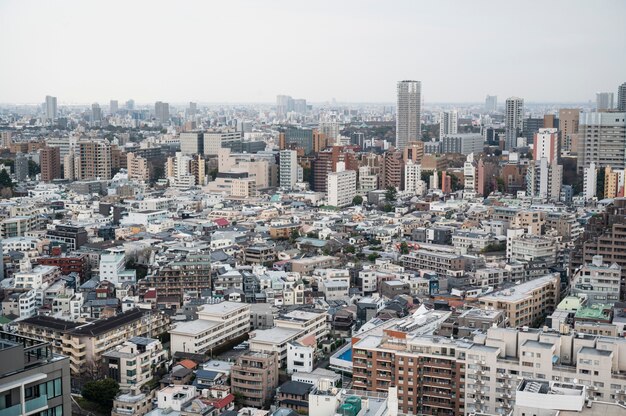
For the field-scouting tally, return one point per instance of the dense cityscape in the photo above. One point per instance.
(314, 257)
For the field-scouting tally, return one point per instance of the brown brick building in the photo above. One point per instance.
(255, 377)
(50, 160)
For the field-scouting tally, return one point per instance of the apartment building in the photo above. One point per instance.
(309, 322)
(443, 376)
(85, 343)
(528, 248)
(442, 263)
(255, 377)
(137, 167)
(217, 325)
(190, 273)
(599, 281)
(527, 303)
(33, 379)
(305, 266)
(133, 363)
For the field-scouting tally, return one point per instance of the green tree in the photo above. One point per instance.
(372, 257)
(350, 249)
(357, 200)
(391, 194)
(295, 234)
(388, 208)
(101, 392)
(500, 182)
(33, 168)
(404, 248)
(5, 179)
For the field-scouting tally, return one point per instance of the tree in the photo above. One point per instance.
(372, 257)
(33, 168)
(357, 200)
(294, 234)
(350, 249)
(101, 392)
(404, 248)
(391, 194)
(388, 208)
(5, 179)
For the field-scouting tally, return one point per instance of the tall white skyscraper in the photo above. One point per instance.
(51, 108)
(604, 101)
(408, 113)
(448, 123)
(413, 183)
(491, 103)
(288, 168)
(469, 173)
(621, 97)
(113, 106)
(513, 122)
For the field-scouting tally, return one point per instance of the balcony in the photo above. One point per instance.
(39, 403)
(12, 411)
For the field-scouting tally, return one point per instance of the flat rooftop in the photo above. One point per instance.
(275, 335)
(193, 327)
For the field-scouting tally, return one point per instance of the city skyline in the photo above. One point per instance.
(366, 49)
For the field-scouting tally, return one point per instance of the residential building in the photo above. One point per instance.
(84, 343)
(526, 304)
(255, 377)
(569, 119)
(288, 168)
(408, 113)
(137, 167)
(491, 103)
(590, 179)
(448, 123)
(162, 112)
(598, 281)
(341, 186)
(602, 140)
(189, 273)
(133, 363)
(94, 160)
(514, 114)
(604, 101)
(218, 324)
(33, 379)
(621, 97)
(50, 163)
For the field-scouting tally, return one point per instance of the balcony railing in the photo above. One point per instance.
(12, 411)
(37, 403)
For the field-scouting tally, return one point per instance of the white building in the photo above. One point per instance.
(288, 168)
(175, 397)
(590, 181)
(599, 281)
(300, 358)
(216, 325)
(469, 173)
(514, 121)
(409, 112)
(214, 141)
(113, 268)
(341, 186)
(544, 179)
(448, 123)
(413, 183)
(132, 363)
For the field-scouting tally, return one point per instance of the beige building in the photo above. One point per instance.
(217, 325)
(133, 403)
(137, 168)
(94, 160)
(85, 343)
(255, 377)
(527, 303)
(133, 363)
(568, 124)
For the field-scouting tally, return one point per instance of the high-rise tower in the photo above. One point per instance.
(408, 113)
(514, 121)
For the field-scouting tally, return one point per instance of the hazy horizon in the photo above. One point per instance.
(245, 52)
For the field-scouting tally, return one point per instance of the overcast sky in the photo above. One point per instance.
(353, 51)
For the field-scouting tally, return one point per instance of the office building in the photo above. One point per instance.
(51, 108)
(130, 104)
(162, 112)
(309, 140)
(598, 281)
(330, 129)
(621, 97)
(213, 141)
(530, 126)
(448, 123)
(94, 160)
(602, 140)
(192, 110)
(614, 181)
(21, 167)
(254, 377)
(178, 171)
(341, 186)
(590, 180)
(569, 119)
(6, 138)
(33, 379)
(96, 114)
(50, 162)
(85, 343)
(408, 113)
(288, 168)
(491, 103)
(218, 324)
(113, 107)
(513, 121)
(191, 143)
(463, 143)
(604, 101)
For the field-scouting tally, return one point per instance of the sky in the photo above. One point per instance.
(239, 51)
